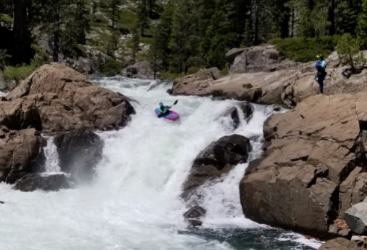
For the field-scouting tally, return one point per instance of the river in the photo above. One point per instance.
(133, 202)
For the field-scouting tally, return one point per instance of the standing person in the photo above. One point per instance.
(321, 73)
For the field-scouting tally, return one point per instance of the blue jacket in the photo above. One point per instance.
(321, 66)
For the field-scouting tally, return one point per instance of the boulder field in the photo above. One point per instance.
(313, 166)
(261, 75)
(56, 100)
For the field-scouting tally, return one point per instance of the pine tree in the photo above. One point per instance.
(113, 11)
(143, 14)
(67, 21)
(135, 44)
(179, 45)
(362, 26)
(247, 37)
(346, 13)
(159, 51)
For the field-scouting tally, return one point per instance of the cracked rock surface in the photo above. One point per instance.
(65, 100)
(312, 166)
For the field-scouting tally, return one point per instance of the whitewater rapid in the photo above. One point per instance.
(133, 203)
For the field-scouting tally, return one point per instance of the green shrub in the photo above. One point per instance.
(40, 58)
(170, 76)
(192, 70)
(6, 19)
(247, 86)
(18, 73)
(112, 67)
(127, 19)
(350, 54)
(305, 49)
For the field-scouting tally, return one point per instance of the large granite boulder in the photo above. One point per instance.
(353, 190)
(340, 244)
(309, 152)
(32, 182)
(141, 70)
(192, 84)
(79, 153)
(257, 59)
(356, 218)
(215, 160)
(21, 152)
(66, 100)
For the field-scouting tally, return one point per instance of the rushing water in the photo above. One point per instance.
(133, 203)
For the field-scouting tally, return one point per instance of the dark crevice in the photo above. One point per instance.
(334, 211)
(321, 174)
(363, 125)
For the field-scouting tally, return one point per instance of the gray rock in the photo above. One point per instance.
(257, 59)
(3, 85)
(141, 70)
(247, 110)
(79, 151)
(195, 212)
(85, 65)
(356, 218)
(217, 159)
(32, 182)
(232, 113)
(193, 215)
(233, 53)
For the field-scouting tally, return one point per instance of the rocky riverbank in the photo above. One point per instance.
(312, 176)
(261, 75)
(59, 101)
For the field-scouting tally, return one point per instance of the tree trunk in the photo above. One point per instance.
(285, 22)
(256, 22)
(56, 33)
(331, 17)
(20, 29)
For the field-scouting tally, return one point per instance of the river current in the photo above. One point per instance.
(133, 202)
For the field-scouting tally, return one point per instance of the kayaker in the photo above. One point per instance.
(164, 109)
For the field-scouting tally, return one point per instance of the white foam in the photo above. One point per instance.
(134, 201)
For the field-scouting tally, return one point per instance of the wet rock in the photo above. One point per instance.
(32, 182)
(193, 215)
(339, 244)
(217, 159)
(356, 218)
(247, 111)
(195, 212)
(21, 152)
(79, 153)
(232, 113)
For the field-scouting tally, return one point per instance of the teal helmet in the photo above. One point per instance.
(161, 104)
